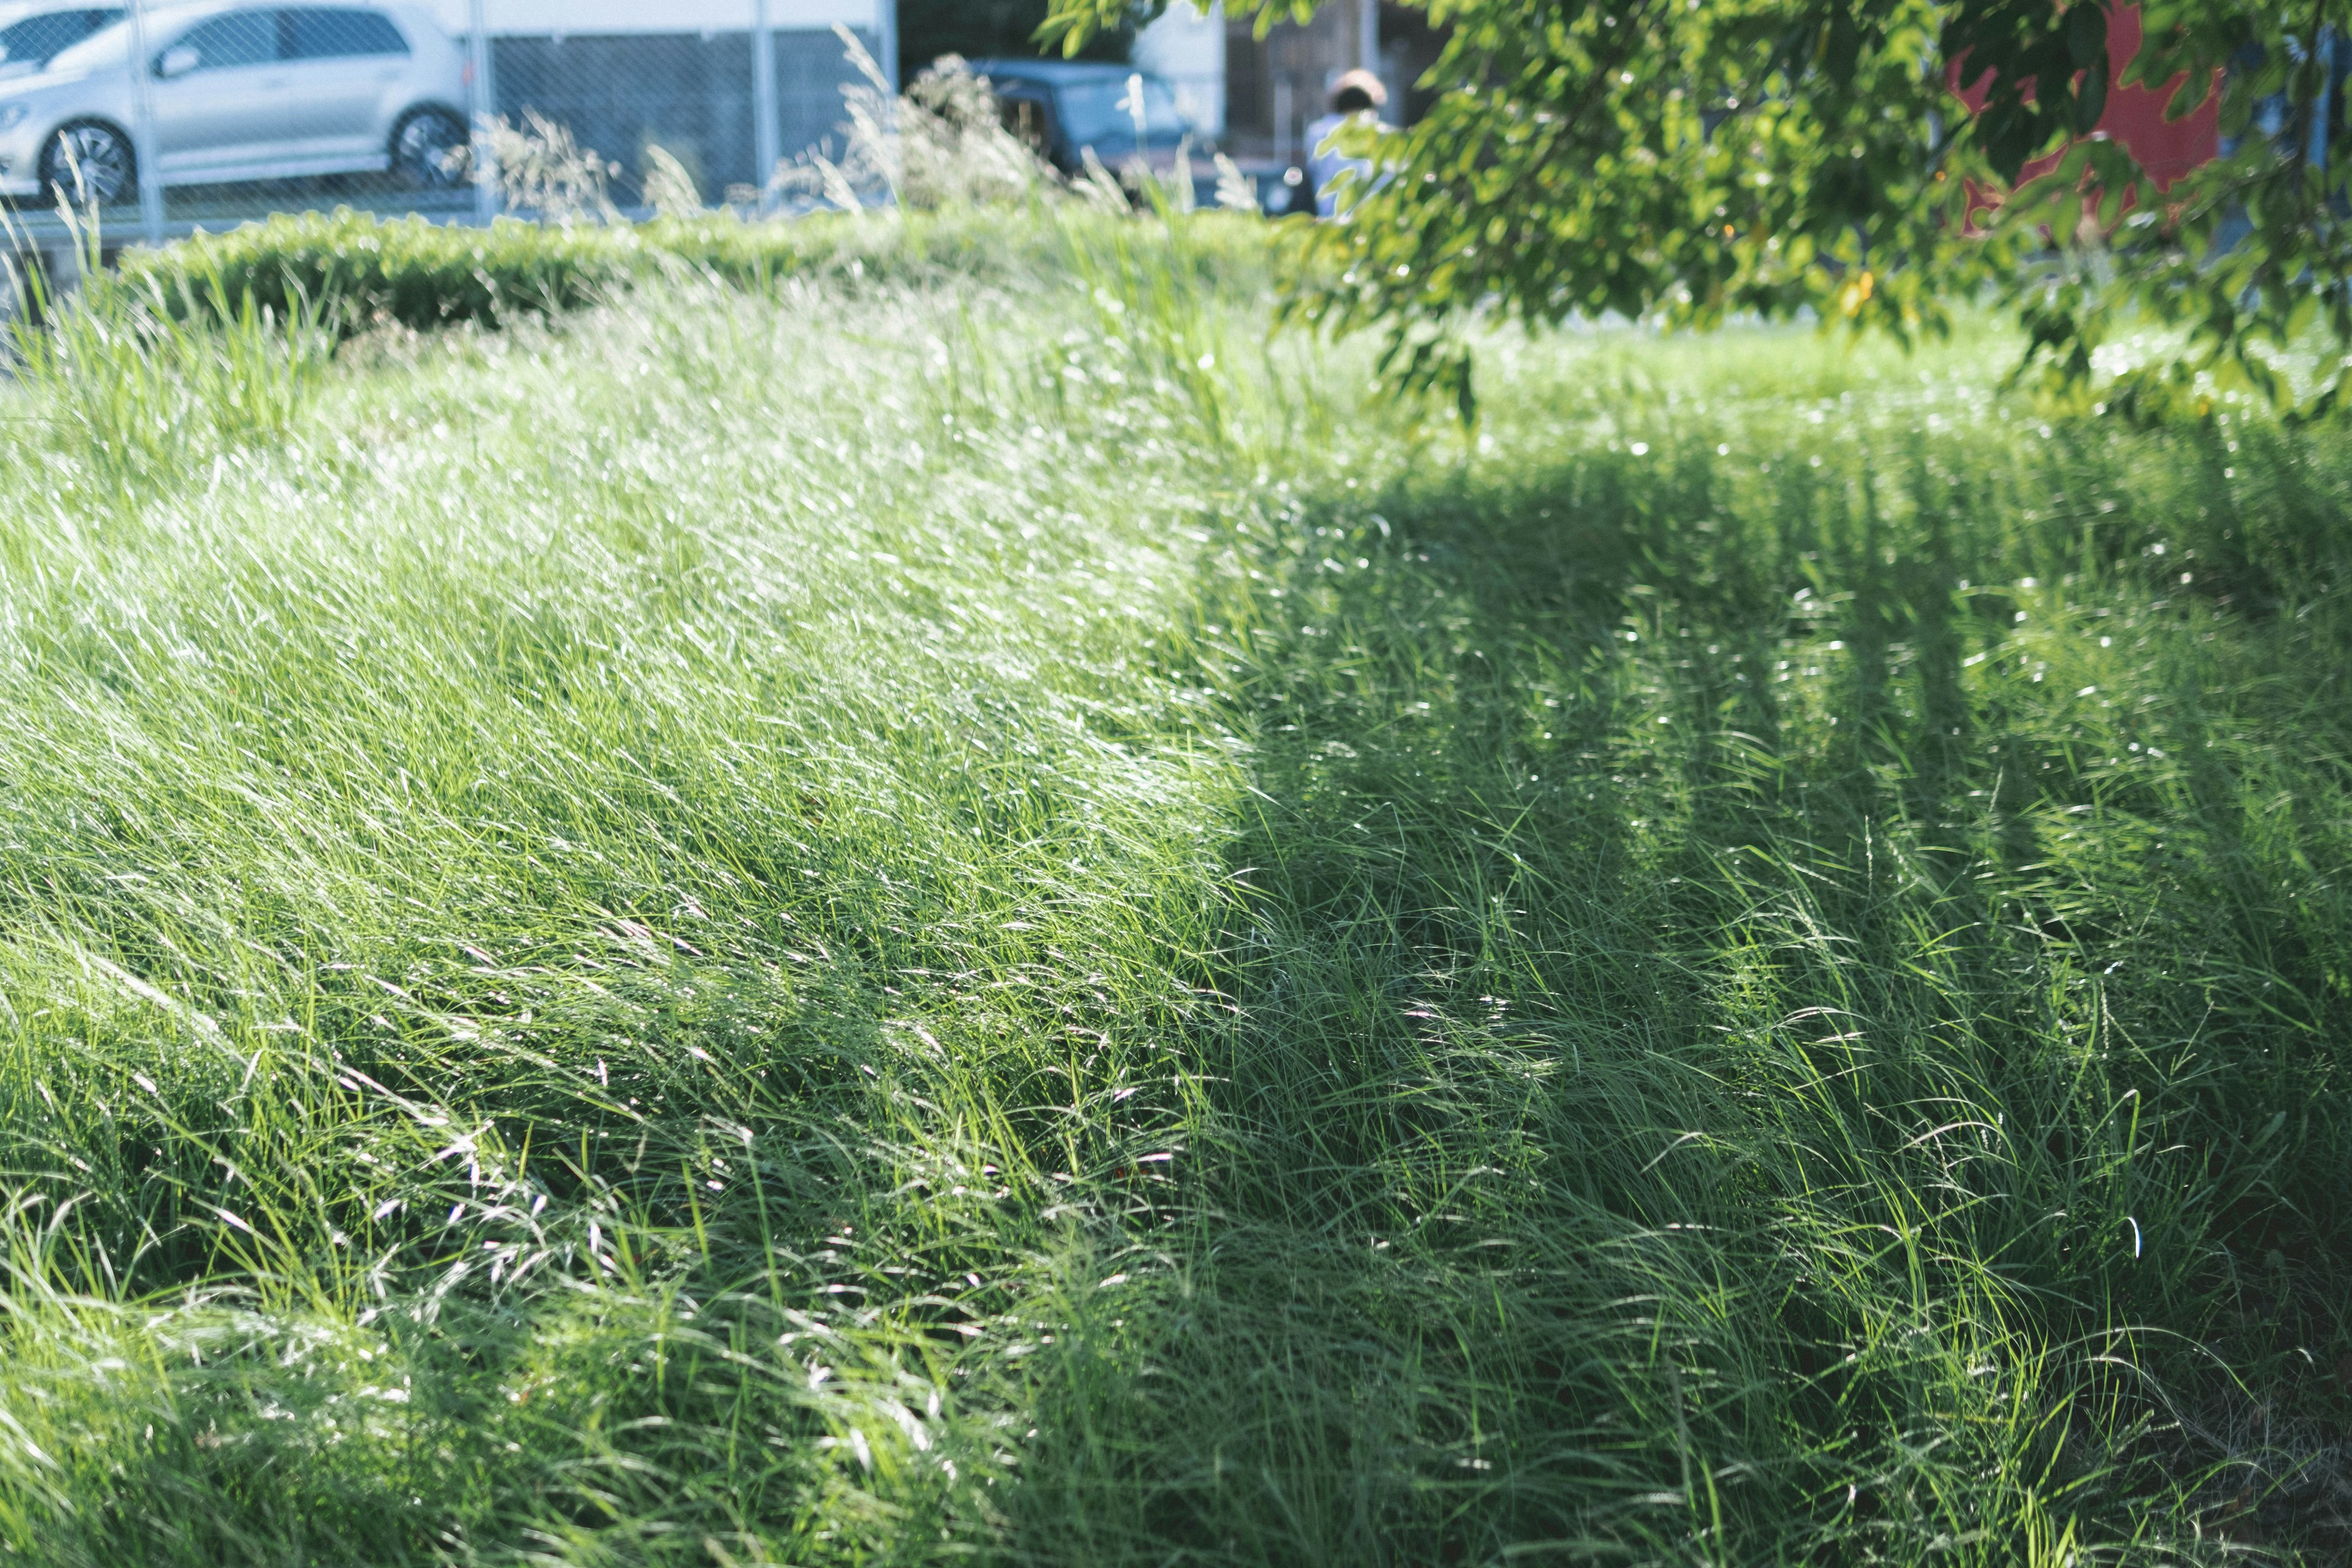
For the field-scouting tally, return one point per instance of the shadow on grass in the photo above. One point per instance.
(1708, 1073)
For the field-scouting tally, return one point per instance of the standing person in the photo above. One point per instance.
(1355, 97)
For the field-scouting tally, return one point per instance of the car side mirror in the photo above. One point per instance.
(177, 61)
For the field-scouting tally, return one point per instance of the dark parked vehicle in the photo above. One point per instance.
(1067, 108)
(1282, 187)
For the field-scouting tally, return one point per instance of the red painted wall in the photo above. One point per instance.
(2135, 116)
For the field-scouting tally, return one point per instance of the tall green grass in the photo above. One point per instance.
(905, 921)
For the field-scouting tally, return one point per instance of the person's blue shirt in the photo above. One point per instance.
(1325, 165)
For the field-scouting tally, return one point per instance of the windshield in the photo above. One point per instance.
(1096, 114)
(110, 47)
(37, 40)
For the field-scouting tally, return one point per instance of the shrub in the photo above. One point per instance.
(353, 270)
(356, 269)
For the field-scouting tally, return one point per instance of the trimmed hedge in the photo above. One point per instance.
(356, 270)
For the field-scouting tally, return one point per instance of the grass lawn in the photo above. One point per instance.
(896, 922)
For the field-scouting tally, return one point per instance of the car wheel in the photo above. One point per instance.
(428, 148)
(90, 162)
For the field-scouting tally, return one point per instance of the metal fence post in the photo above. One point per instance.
(767, 135)
(481, 104)
(146, 157)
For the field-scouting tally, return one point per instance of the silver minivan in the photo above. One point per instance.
(240, 92)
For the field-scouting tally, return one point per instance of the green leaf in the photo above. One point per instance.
(2091, 99)
(2086, 33)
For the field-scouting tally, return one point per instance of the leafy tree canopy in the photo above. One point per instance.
(1687, 160)
(979, 29)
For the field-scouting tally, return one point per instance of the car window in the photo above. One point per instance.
(1097, 113)
(107, 48)
(237, 38)
(1026, 117)
(320, 33)
(40, 39)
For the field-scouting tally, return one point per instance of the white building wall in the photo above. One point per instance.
(1186, 49)
(589, 17)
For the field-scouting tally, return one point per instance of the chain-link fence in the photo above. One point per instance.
(171, 115)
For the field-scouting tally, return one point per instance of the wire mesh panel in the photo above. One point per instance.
(169, 115)
(668, 104)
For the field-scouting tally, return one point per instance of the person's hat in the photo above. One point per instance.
(1362, 81)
